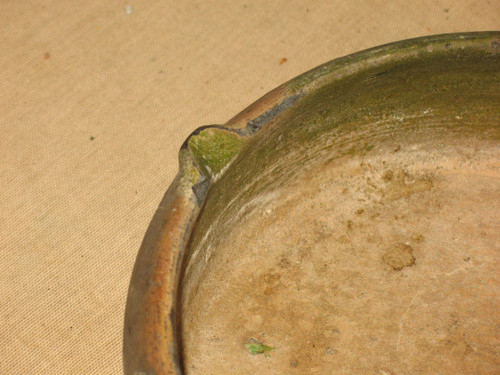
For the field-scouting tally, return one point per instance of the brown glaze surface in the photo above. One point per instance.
(150, 344)
(323, 283)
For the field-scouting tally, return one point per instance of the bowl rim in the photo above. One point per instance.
(151, 339)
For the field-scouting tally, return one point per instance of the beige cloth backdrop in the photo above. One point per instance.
(96, 98)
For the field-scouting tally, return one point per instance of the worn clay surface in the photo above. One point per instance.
(384, 263)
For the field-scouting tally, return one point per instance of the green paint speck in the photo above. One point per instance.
(256, 347)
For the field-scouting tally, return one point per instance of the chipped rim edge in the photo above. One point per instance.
(150, 339)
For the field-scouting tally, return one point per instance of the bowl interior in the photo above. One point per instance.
(357, 232)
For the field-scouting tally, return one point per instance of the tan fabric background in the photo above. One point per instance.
(95, 103)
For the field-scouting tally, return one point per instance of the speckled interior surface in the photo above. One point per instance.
(358, 231)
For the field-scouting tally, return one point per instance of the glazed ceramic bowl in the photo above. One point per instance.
(347, 222)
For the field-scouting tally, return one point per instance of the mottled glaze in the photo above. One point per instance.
(219, 161)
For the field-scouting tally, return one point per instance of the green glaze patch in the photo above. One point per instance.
(254, 347)
(398, 51)
(213, 149)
